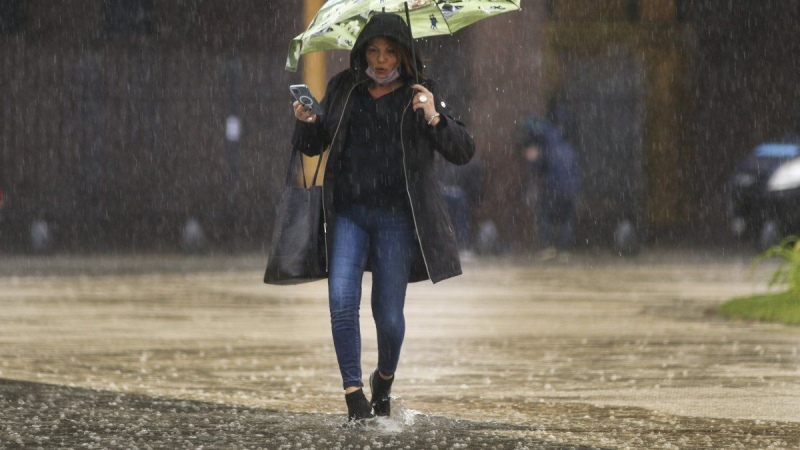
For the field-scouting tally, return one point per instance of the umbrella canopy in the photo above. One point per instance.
(338, 22)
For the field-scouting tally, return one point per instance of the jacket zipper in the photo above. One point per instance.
(410, 201)
(324, 212)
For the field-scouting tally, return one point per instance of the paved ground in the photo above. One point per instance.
(175, 352)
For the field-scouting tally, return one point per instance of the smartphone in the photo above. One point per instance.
(304, 96)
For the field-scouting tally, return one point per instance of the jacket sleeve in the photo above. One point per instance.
(450, 137)
(309, 137)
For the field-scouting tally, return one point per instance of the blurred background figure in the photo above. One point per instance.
(461, 188)
(41, 236)
(193, 238)
(555, 181)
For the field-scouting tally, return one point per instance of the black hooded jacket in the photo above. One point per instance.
(437, 255)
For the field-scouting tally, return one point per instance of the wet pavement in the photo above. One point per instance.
(189, 352)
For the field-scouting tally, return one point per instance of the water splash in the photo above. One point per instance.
(399, 420)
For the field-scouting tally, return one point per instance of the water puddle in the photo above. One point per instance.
(186, 353)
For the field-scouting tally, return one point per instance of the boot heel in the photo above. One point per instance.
(381, 390)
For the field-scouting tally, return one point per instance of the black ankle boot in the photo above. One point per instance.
(380, 393)
(358, 408)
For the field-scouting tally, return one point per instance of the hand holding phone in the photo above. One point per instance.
(302, 94)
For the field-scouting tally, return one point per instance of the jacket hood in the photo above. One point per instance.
(384, 25)
(536, 130)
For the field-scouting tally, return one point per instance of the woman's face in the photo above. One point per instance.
(382, 57)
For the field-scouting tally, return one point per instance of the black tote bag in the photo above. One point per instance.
(297, 251)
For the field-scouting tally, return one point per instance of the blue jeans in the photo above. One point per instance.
(385, 237)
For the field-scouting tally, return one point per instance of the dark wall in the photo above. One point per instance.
(113, 119)
(112, 113)
(719, 77)
(745, 79)
(506, 68)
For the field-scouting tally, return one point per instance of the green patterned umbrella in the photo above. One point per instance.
(338, 22)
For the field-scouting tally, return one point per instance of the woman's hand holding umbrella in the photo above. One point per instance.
(423, 100)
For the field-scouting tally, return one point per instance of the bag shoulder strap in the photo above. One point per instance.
(288, 180)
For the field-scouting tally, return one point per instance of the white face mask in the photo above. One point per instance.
(393, 75)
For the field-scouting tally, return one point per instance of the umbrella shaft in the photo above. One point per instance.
(413, 51)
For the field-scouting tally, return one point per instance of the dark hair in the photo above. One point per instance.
(404, 55)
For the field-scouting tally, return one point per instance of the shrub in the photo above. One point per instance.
(788, 272)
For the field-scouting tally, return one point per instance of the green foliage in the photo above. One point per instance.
(781, 307)
(773, 307)
(788, 272)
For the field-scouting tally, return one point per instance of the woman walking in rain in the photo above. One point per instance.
(383, 210)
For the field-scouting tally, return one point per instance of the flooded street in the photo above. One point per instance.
(182, 352)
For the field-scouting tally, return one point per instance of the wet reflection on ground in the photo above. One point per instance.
(606, 353)
(49, 416)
